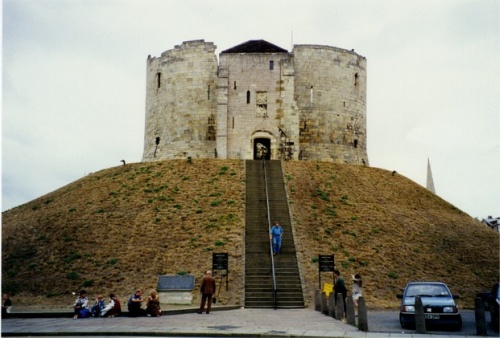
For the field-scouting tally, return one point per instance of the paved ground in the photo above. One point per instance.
(230, 323)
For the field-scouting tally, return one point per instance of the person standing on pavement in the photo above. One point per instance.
(275, 235)
(340, 288)
(357, 288)
(207, 289)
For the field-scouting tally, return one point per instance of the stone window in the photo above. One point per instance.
(356, 79)
(271, 65)
(234, 85)
(355, 144)
(158, 80)
(211, 133)
(208, 92)
(248, 96)
(261, 104)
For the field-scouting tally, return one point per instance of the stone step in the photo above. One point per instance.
(277, 272)
(258, 274)
(269, 298)
(289, 291)
(270, 305)
(269, 282)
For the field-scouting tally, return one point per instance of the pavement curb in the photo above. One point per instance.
(68, 314)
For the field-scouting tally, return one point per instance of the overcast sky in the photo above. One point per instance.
(73, 91)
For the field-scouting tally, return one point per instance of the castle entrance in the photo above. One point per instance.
(261, 148)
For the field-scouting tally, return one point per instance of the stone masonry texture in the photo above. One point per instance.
(256, 100)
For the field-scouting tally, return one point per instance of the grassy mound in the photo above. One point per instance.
(118, 229)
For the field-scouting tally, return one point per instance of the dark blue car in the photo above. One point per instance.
(439, 305)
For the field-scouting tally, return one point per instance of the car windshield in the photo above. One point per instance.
(427, 290)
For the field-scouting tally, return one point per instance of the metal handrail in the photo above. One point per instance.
(270, 240)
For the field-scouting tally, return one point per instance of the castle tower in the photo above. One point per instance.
(330, 90)
(258, 101)
(181, 102)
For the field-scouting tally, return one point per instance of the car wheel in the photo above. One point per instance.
(495, 321)
(404, 325)
(458, 325)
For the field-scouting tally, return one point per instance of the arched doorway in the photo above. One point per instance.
(261, 148)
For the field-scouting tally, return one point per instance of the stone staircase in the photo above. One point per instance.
(258, 271)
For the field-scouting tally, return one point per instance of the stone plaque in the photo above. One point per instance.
(175, 283)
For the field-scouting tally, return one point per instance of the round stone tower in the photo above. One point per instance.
(330, 92)
(181, 102)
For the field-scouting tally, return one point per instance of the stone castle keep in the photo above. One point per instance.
(258, 100)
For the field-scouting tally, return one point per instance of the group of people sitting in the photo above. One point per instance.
(113, 308)
(135, 301)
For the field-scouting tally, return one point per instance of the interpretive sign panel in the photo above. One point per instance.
(175, 283)
(220, 261)
(326, 263)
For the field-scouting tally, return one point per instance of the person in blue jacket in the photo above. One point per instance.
(275, 235)
(98, 306)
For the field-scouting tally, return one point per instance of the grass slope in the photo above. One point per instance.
(117, 229)
(389, 229)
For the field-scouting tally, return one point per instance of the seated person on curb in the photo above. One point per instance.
(6, 305)
(98, 306)
(134, 305)
(153, 305)
(81, 305)
(113, 308)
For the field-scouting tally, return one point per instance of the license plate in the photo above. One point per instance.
(430, 316)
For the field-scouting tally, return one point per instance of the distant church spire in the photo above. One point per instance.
(430, 181)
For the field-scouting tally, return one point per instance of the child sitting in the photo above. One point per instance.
(98, 306)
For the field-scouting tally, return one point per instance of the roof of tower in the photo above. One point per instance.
(255, 46)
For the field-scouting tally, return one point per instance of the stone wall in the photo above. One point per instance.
(181, 102)
(254, 101)
(330, 90)
(309, 104)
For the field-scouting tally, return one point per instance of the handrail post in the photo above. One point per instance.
(270, 240)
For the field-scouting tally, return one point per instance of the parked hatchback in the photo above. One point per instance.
(438, 302)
